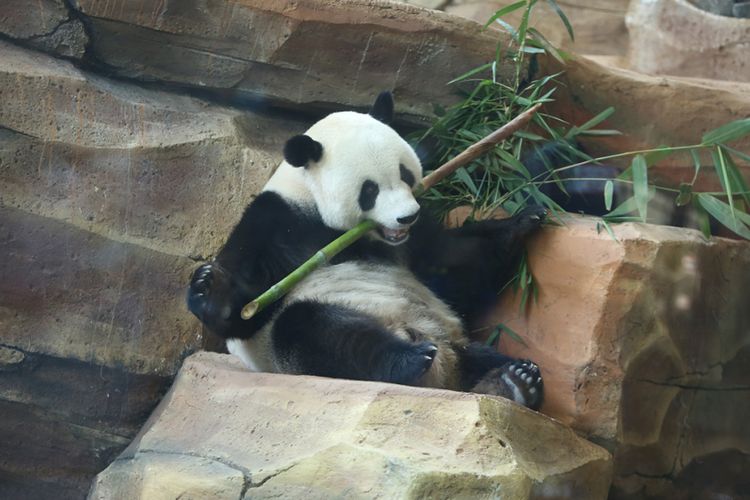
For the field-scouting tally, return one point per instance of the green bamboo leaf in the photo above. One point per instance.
(697, 163)
(529, 136)
(609, 230)
(624, 208)
(551, 49)
(591, 123)
(525, 21)
(513, 163)
(600, 132)
(721, 168)
(509, 28)
(536, 50)
(724, 214)
(472, 72)
(686, 194)
(504, 11)
(727, 133)
(495, 335)
(563, 17)
(658, 154)
(464, 176)
(740, 154)
(640, 185)
(704, 222)
(511, 333)
(736, 180)
(609, 189)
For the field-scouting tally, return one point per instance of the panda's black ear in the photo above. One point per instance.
(300, 149)
(382, 110)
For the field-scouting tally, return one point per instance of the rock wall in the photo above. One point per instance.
(109, 193)
(129, 151)
(675, 37)
(122, 166)
(644, 344)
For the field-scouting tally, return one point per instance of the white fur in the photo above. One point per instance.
(391, 294)
(356, 147)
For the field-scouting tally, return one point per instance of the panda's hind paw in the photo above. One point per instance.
(410, 362)
(519, 380)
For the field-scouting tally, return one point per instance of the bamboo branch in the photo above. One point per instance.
(329, 251)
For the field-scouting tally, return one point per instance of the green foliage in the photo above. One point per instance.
(500, 180)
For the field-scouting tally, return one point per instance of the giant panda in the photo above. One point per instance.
(393, 307)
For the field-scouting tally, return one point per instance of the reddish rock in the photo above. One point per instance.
(644, 344)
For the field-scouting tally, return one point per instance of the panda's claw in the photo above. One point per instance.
(410, 362)
(208, 289)
(519, 381)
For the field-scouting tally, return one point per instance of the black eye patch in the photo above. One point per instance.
(367, 195)
(406, 175)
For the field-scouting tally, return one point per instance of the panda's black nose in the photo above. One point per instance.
(408, 219)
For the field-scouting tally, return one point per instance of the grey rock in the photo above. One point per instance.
(741, 9)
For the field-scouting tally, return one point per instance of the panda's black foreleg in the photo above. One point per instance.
(469, 265)
(331, 340)
(215, 298)
(486, 371)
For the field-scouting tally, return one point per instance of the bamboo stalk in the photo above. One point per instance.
(332, 249)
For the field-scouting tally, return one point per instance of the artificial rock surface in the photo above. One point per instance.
(674, 37)
(644, 344)
(318, 53)
(224, 432)
(650, 111)
(44, 24)
(598, 25)
(109, 193)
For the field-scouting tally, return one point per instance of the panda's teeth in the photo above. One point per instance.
(393, 235)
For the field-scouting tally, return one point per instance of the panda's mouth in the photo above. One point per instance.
(393, 236)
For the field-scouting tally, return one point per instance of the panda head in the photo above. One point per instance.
(355, 167)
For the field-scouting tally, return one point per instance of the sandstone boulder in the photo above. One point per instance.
(674, 37)
(109, 193)
(598, 25)
(644, 344)
(224, 432)
(320, 53)
(650, 111)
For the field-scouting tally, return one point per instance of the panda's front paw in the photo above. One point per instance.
(409, 362)
(519, 380)
(531, 217)
(208, 295)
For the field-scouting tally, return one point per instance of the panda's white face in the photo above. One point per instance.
(366, 171)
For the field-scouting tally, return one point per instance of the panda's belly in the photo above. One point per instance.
(389, 293)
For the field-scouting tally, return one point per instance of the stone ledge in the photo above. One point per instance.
(317, 438)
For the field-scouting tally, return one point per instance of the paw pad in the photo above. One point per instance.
(524, 383)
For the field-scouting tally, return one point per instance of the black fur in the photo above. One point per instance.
(465, 267)
(406, 175)
(367, 195)
(300, 149)
(382, 110)
(336, 341)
